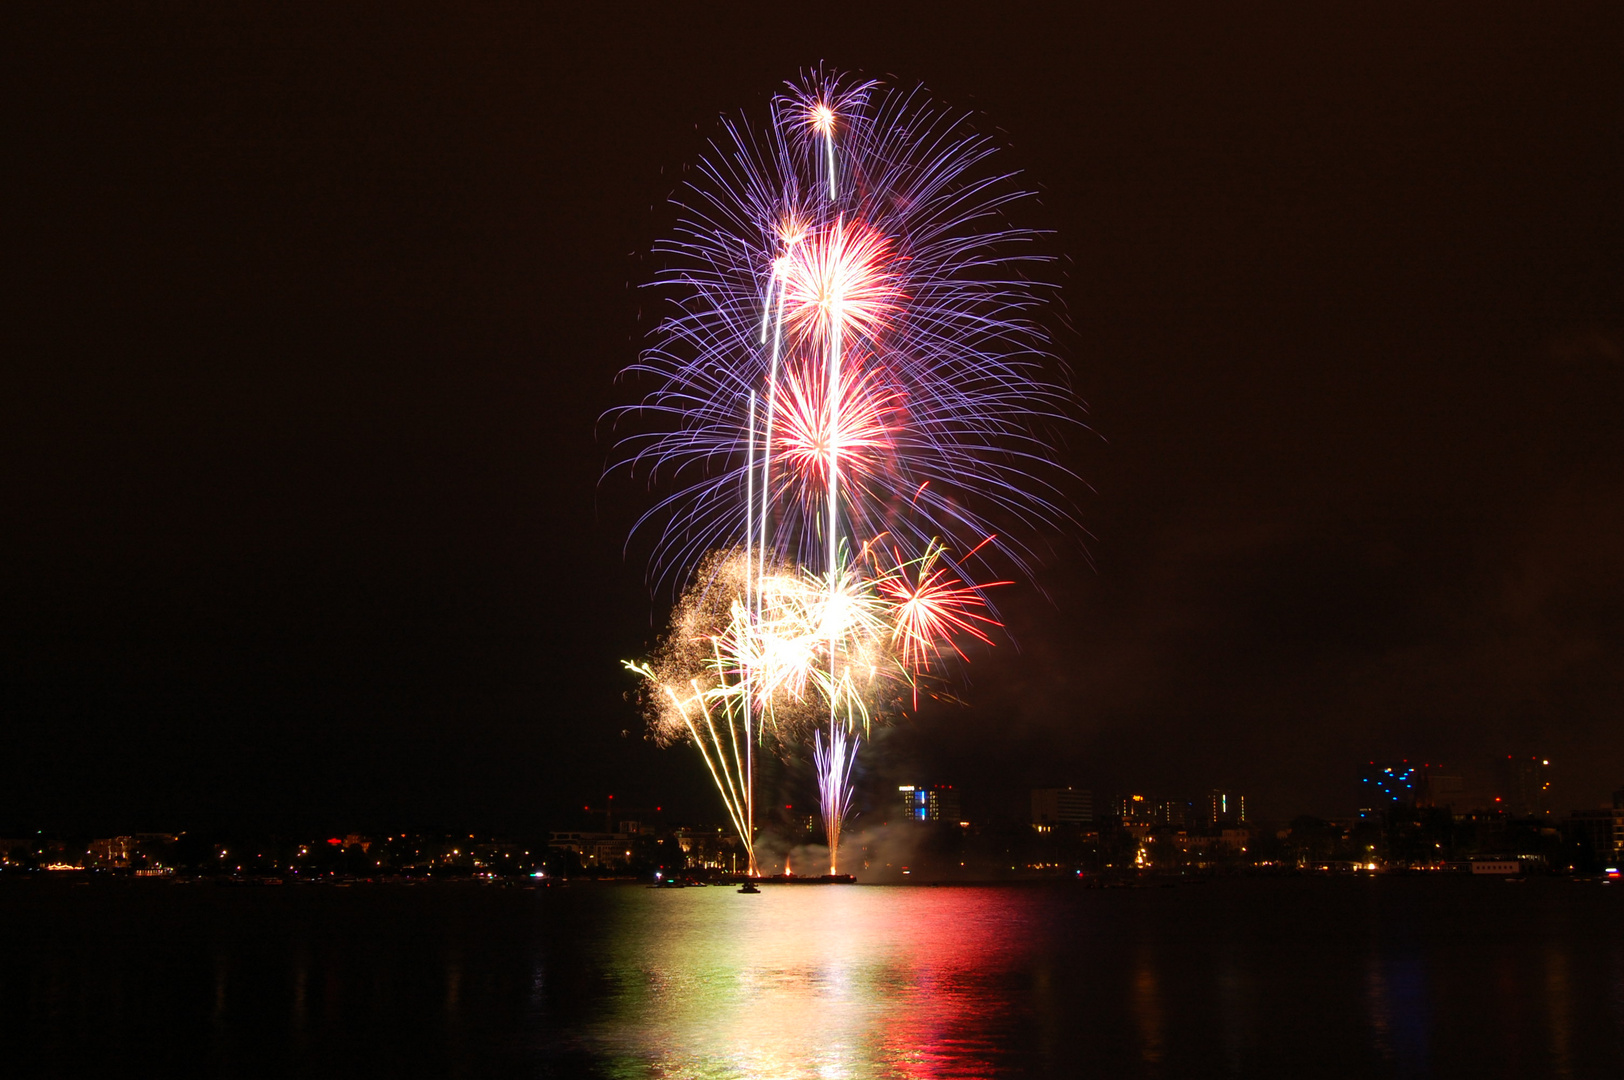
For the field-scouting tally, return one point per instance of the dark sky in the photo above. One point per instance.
(310, 312)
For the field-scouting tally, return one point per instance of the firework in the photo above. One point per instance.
(765, 654)
(906, 286)
(834, 762)
(853, 349)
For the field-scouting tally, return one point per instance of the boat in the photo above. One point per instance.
(808, 879)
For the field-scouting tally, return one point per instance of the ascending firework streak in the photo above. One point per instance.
(834, 763)
(857, 320)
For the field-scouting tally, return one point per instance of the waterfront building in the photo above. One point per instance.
(1525, 786)
(1226, 808)
(1062, 806)
(1386, 784)
(601, 849)
(1134, 810)
(1618, 827)
(929, 802)
(113, 852)
(709, 848)
(1436, 786)
(1592, 837)
(1179, 813)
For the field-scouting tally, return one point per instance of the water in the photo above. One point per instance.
(1389, 977)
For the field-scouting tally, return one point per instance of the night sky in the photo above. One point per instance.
(310, 313)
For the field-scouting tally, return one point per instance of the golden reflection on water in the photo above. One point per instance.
(830, 982)
(1147, 1009)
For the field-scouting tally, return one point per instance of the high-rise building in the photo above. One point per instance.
(1226, 808)
(929, 802)
(1436, 786)
(1525, 786)
(1134, 809)
(1062, 806)
(1180, 813)
(1386, 784)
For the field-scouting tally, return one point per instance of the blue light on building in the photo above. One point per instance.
(929, 802)
(1388, 785)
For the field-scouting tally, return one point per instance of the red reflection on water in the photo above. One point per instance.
(941, 1018)
(826, 982)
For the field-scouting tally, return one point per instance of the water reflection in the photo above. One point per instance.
(1236, 1014)
(1559, 999)
(1617, 996)
(1239, 978)
(301, 994)
(1396, 996)
(1147, 1009)
(827, 982)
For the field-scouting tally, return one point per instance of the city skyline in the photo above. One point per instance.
(923, 831)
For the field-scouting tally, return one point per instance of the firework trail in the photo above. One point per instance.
(853, 350)
(834, 762)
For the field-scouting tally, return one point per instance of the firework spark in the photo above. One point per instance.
(813, 434)
(839, 282)
(934, 608)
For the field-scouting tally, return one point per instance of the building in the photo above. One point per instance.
(1592, 839)
(1226, 808)
(1062, 806)
(1389, 784)
(1618, 828)
(600, 849)
(1386, 784)
(498, 854)
(929, 802)
(1134, 810)
(1436, 786)
(1179, 813)
(113, 852)
(17, 851)
(1525, 786)
(1598, 835)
